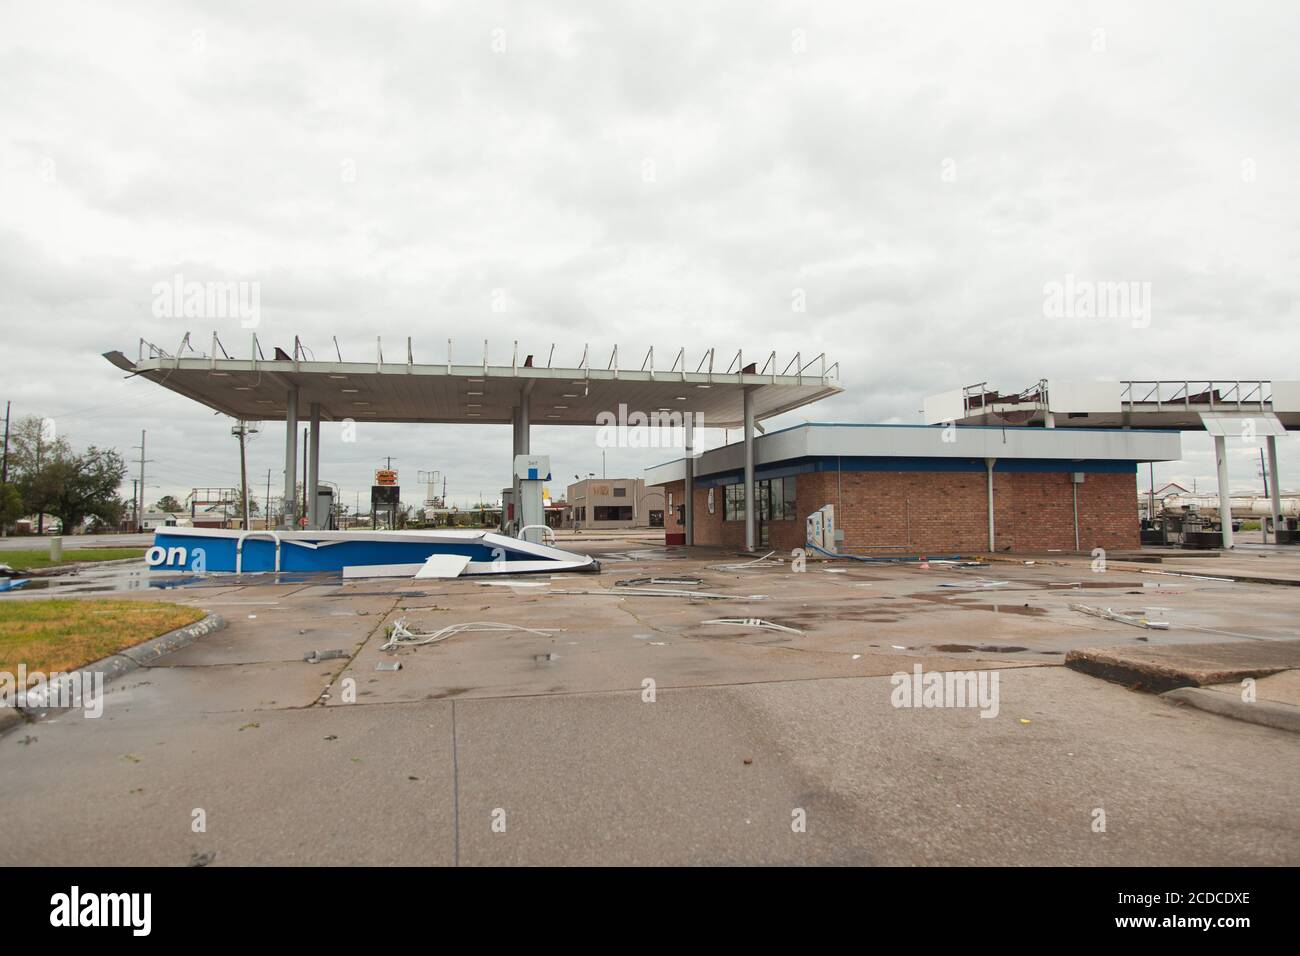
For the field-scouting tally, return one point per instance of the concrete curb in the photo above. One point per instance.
(10, 717)
(1156, 679)
(1264, 712)
(123, 662)
(1164, 667)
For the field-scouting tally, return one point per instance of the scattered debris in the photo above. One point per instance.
(252, 723)
(513, 584)
(315, 657)
(748, 761)
(747, 564)
(443, 566)
(400, 634)
(1185, 574)
(1135, 618)
(202, 859)
(669, 582)
(975, 584)
(663, 592)
(28, 740)
(753, 622)
(388, 666)
(331, 737)
(9, 584)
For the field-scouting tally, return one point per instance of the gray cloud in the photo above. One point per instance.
(919, 171)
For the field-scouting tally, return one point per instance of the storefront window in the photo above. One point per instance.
(774, 499)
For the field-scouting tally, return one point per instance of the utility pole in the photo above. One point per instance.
(40, 512)
(135, 503)
(266, 511)
(4, 468)
(143, 461)
(240, 431)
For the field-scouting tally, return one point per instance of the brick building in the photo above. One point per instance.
(903, 489)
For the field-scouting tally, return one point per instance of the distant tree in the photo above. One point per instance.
(75, 487)
(33, 447)
(237, 507)
(11, 504)
(111, 514)
(169, 504)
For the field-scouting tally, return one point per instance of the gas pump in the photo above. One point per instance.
(531, 471)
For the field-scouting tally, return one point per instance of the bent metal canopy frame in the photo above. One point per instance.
(383, 390)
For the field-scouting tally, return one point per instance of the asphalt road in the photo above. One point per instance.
(42, 542)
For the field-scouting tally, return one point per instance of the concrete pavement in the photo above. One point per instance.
(520, 748)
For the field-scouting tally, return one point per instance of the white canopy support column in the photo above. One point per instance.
(313, 468)
(993, 541)
(1274, 488)
(290, 459)
(688, 428)
(521, 445)
(506, 516)
(1225, 497)
(750, 543)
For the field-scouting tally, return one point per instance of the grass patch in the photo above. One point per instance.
(35, 560)
(60, 635)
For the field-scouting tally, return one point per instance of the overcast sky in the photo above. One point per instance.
(642, 174)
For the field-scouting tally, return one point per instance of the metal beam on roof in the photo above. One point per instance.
(1172, 404)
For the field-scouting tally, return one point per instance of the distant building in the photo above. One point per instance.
(595, 503)
(30, 524)
(163, 519)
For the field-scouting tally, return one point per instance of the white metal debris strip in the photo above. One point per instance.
(753, 622)
(1135, 618)
(400, 634)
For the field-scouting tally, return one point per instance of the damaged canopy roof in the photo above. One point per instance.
(384, 390)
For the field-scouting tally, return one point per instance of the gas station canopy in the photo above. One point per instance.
(383, 391)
